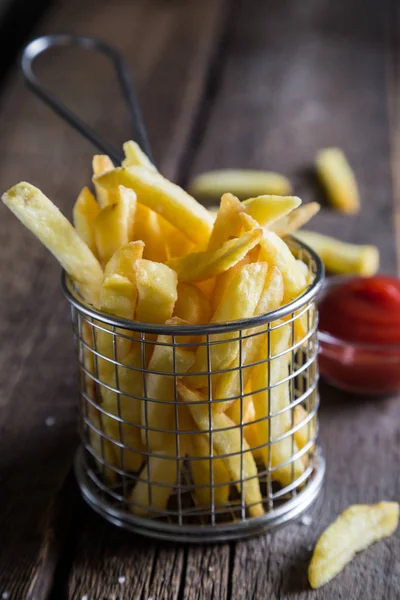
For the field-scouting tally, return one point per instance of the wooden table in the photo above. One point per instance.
(223, 83)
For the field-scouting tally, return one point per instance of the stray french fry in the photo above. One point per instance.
(192, 305)
(165, 198)
(113, 227)
(157, 291)
(296, 219)
(247, 286)
(206, 476)
(231, 445)
(101, 164)
(355, 529)
(338, 179)
(341, 257)
(50, 226)
(269, 209)
(134, 156)
(241, 182)
(85, 212)
(200, 266)
(123, 262)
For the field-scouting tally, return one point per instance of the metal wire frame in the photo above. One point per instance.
(137, 465)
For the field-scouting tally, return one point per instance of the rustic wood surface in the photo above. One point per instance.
(223, 83)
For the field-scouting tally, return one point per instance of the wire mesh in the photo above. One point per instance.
(200, 427)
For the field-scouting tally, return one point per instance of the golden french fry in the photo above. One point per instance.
(228, 385)
(338, 180)
(113, 226)
(207, 287)
(157, 481)
(341, 257)
(49, 225)
(306, 433)
(229, 443)
(227, 223)
(296, 219)
(84, 214)
(192, 305)
(247, 285)
(241, 182)
(134, 156)
(277, 254)
(207, 477)
(102, 164)
(157, 291)
(269, 397)
(355, 529)
(103, 448)
(200, 266)
(128, 458)
(123, 261)
(165, 198)
(147, 228)
(175, 242)
(223, 282)
(269, 209)
(161, 386)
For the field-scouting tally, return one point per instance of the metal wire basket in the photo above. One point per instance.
(206, 464)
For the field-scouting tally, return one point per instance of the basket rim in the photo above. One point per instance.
(210, 328)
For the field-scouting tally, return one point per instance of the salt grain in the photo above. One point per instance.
(306, 520)
(121, 580)
(4, 595)
(50, 421)
(84, 598)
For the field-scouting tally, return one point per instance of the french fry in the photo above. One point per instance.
(192, 305)
(128, 458)
(223, 282)
(103, 449)
(276, 253)
(296, 219)
(50, 226)
(227, 223)
(134, 156)
(228, 385)
(247, 285)
(118, 297)
(157, 291)
(269, 209)
(341, 257)
(241, 182)
(338, 180)
(165, 198)
(229, 443)
(84, 214)
(207, 287)
(206, 476)
(306, 433)
(102, 164)
(175, 242)
(200, 266)
(113, 227)
(123, 261)
(161, 385)
(157, 481)
(269, 397)
(147, 229)
(355, 529)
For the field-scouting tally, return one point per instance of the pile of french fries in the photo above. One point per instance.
(144, 250)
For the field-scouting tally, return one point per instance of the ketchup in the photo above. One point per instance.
(362, 316)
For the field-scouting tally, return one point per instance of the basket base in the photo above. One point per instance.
(223, 532)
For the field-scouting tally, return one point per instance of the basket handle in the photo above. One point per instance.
(44, 43)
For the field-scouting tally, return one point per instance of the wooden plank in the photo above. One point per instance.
(298, 77)
(38, 374)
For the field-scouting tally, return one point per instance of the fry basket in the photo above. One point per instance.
(166, 452)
